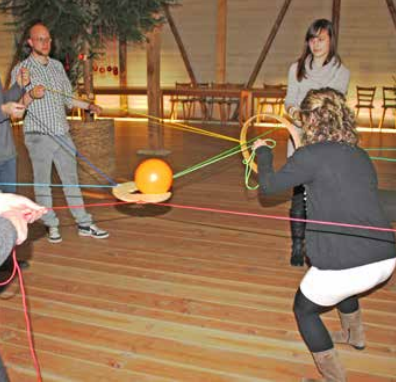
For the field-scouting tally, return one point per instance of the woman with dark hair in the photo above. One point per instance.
(341, 187)
(319, 66)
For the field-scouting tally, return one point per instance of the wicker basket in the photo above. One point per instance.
(95, 141)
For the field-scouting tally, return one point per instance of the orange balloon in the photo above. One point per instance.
(153, 176)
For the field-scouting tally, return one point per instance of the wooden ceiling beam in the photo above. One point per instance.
(221, 42)
(336, 18)
(392, 10)
(180, 45)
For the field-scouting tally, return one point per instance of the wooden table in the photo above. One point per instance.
(117, 90)
(246, 96)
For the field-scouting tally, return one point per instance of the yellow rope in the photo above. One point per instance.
(192, 128)
(175, 125)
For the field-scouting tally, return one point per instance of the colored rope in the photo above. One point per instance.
(16, 269)
(381, 149)
(175, 125)
(181, 126)
(385, 159)
(57, 185)
(237, 213)
(234, 150)
(248, 169)
(63, 143)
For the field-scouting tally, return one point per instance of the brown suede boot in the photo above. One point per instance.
(329, 366)
(352, 332)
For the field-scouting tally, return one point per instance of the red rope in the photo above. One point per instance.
(16, 269)
(237, 213)
(204, 209)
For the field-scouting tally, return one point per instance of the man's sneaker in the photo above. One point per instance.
(92, 231)
(53, 235)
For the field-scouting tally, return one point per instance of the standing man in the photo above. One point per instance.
(47, 133)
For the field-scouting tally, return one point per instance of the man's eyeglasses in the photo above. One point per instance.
(43, 40)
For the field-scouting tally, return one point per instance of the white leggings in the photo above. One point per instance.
(328, 288)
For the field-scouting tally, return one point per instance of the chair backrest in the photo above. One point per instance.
(202, 85)
(276, 86)
(235, 86)
(389, 96)
(365, 95)
(274, 100)
(218, 85)
(183, 85)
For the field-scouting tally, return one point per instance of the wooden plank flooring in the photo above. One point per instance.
(179, 294)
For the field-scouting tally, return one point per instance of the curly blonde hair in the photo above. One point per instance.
(327, 118)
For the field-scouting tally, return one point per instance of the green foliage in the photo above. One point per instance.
(74, 22)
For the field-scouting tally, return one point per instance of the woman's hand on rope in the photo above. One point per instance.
(260, 142)
(13, 109)
(23, 77)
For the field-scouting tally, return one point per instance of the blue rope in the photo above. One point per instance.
(59, 139)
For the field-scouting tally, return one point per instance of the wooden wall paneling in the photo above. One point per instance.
(268, 43)
(367, 47)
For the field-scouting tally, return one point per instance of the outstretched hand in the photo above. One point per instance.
(20, 211)
(95, 108)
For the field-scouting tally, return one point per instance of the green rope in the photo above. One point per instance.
(384, 159)
(248, 169)
(221, 156)
(381, 149)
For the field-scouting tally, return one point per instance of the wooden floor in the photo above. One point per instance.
(179, 294)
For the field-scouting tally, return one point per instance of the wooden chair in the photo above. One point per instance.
(201, 101)
(183, 100)
(365, 100)
(389, 102)
(219, 101)
(232, 103)
(226, 104)
(273, 105)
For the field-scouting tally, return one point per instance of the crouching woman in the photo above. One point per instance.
(341, 187)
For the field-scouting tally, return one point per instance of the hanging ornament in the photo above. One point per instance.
(102, 69)
(95, 67)
(67, 63)
(115, 67)
(81, 57)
